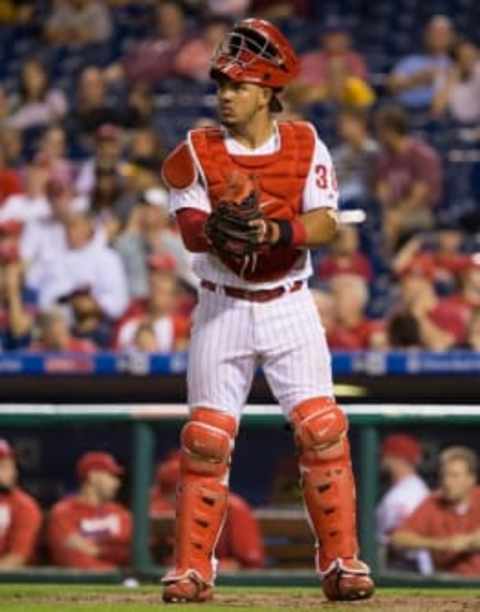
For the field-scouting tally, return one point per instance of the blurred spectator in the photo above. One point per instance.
(344, 257)
(441, 323)
(335, 73)
(140, 106)
(403, 331)
(20, 516)
(325, 305)
(53, 148)
(461, 306)
(16, 12)
(279, 9)
(355, 157)
(240, 543)
(233, 9)
(409, 177)
(438, 254)
(92, 108)
(10, 182)
(145, 340)
(37, 104)
(414, 77)
(400, 457)
(33, 204)
(447, 523)
(473, 333)
(149, 232)
(108, 151)
(43, 242)
(85, 262)
(17, 304)
(89, 322)
(54, 335)
(152, 60)
(90, 530)
(193, 60)
(159, 310)
(146, 144)
(11, 143)
(75, 23)
(458, 91)
(353, 330)
(104, 201)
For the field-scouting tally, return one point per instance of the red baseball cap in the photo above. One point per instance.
(168, 472)
(6, 451)
(402, 446)
(98, 461)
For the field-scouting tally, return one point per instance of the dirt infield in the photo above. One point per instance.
(272, 599)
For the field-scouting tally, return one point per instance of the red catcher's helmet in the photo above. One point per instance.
(255, 51)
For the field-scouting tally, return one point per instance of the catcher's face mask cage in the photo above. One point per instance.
(256, 52)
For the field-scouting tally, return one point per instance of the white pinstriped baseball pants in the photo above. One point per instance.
(232, 337)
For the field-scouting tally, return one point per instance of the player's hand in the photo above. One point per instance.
(78, 542)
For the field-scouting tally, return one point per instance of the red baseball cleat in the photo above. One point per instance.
(347, 581)
(187, 590)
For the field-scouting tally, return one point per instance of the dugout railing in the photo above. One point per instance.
(144, 420)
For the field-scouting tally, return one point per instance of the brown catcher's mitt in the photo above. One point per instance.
(228, 227)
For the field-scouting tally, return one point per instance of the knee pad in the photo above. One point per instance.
(320, 429)
(207, 442)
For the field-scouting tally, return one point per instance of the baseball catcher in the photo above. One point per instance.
(251, 198)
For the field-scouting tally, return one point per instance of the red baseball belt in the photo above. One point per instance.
(262, 295)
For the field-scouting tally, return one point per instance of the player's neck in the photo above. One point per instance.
(88, 496)
(255, 133)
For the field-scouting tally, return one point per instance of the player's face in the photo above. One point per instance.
(238, 103)
(106, 485)
(8, 473)
(456, 480)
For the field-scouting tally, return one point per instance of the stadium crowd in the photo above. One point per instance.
(94, 94)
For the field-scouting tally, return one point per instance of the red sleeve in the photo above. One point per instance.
(420, 520)
(27, 521)
(192, 228)
(246, 544)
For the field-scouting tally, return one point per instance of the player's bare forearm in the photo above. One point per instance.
(12, 561)
(415, 541)
(320, 226)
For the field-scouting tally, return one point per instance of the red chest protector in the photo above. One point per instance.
(280, 176)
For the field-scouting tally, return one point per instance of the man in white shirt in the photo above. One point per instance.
(400, 457)
(84, 262)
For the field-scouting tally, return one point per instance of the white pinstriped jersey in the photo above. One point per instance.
(320, 192)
